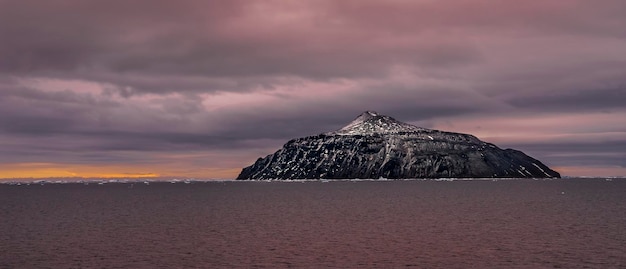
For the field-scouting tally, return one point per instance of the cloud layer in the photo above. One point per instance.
(202, 88)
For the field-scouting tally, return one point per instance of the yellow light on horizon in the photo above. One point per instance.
(52, 170)
(60, 170)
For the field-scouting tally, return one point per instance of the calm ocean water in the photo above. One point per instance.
(567, 223)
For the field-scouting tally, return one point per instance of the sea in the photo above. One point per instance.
(521, 223)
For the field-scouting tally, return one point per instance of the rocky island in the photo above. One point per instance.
(375, 146)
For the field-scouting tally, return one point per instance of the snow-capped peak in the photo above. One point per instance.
(371, 113)
(370, 122)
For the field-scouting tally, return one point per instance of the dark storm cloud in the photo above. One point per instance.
(578, 153)
(134, 43)
(68, 34)
(30, 112)
(27, 111)
(607, 99)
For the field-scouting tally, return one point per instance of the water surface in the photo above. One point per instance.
(567, 223)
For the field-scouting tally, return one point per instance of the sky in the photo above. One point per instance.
(200, 89)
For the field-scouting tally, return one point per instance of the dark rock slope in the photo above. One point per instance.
(377, 146)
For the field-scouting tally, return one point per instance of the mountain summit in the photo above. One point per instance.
(370, 123)
(378, 146)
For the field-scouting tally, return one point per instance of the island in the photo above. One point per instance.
(376, 146)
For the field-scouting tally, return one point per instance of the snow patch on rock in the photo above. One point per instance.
(370, 122)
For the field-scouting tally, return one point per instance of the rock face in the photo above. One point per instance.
(376, 146)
